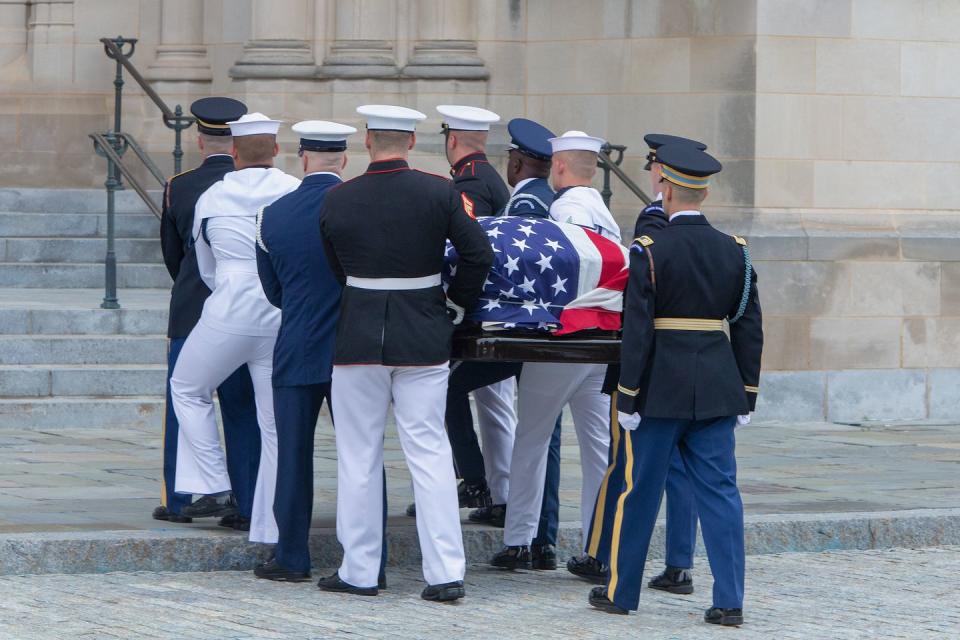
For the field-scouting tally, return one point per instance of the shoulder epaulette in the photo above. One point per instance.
(644, 241)
(180, 174)
(740, 241)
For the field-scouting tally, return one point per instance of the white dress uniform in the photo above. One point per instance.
(238, 326)
(546, 387)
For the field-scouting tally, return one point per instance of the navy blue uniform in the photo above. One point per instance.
(237, 408)
(297, 279)
(688, 381)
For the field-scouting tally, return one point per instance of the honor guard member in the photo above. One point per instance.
(683, 384)
(681, 530)
(240, 432)
(297, 279)
(238, 326)
(484, 193)
(385, 234)
(545, 388)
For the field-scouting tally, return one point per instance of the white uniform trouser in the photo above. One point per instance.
(208, 358)
(361, 396)
(497, 419)
(544, 389)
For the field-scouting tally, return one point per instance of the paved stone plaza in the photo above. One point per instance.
(108, 478)
(863, 594)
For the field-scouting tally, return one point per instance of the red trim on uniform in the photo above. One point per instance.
(434, 175)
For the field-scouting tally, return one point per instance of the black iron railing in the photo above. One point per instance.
(113, 144)
(609, 166)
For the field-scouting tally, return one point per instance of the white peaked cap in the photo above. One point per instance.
(386, 117)
(253, 124)
(323, 130)
(463, 118)
(576, 141)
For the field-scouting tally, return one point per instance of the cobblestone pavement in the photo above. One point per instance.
(851, 594)
(108, 479)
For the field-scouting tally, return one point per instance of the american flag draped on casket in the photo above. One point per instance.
(548, 275)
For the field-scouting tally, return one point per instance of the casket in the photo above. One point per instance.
(589, 346)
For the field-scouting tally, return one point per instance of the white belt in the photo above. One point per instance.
(394, 284)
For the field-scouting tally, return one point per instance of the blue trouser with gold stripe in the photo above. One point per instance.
(241, 435)
(707, 448)
(681, 508)
(297, 409)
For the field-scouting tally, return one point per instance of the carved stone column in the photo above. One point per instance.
(446, 45)
(50, 41)
(364, 40)
(181, 55)
(278, 46)
(13, 37)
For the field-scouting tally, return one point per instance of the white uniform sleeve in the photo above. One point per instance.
(206, 262)
(568, 209)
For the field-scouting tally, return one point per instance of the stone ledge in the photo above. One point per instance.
(184, 550)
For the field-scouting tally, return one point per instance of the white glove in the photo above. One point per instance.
(742, 421)
(628, 421)
(455, 312)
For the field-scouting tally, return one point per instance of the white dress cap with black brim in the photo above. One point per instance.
(576, 141)
(387, 117)
(321, 135)
(464, 118)
(254, 124)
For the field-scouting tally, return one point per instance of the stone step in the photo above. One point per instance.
(78, 250)
(88, 275)
(82, 412)
(82, 350)
(85, 321)
(72, 200)
(77, 225)
(38, 381)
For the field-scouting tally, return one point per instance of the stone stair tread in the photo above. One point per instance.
(81, 299)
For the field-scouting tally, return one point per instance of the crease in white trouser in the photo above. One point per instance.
(497, 423)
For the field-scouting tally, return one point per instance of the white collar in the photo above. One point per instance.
(217, 155)
(521, 183)
(689, 212)
(318, 173)
(659, 196)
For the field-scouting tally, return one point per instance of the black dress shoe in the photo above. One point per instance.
(512, 558)
(271, 570)
(162, 513)
(543, 557)
(726, 617)
(588, 568)
(211, 506)
(598, 598)
(474, 494)
(236, 521)
(494, 515)
(335, 584)
(447, 592)
(412, 510)
(673, 580)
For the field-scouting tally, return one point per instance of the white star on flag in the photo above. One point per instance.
(553, 244)
(508, 294)
(544, 263)
(542, 304)
(530, 306)
(527, 230)
(511, 265)
(520, 244)
(558, 287)
(491, 305)
(498, 221)
(486, 283)
(527, 285)
(495, 232)
(493, 247)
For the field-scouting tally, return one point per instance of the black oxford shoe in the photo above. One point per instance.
(336, 585)
(588, 568)
(272, 570)
(512, 558)
(474, 494)
(543, 557)
(212, 506)
(726, 617)
(598, 598)
(494, 515)
(236, 522)
(412, 510)
(673, 580)
(447, 592)
(162, 513)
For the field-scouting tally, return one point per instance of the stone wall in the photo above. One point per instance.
(834, 119)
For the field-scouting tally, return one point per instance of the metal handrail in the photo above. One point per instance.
(608, 165)
(114, 143)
